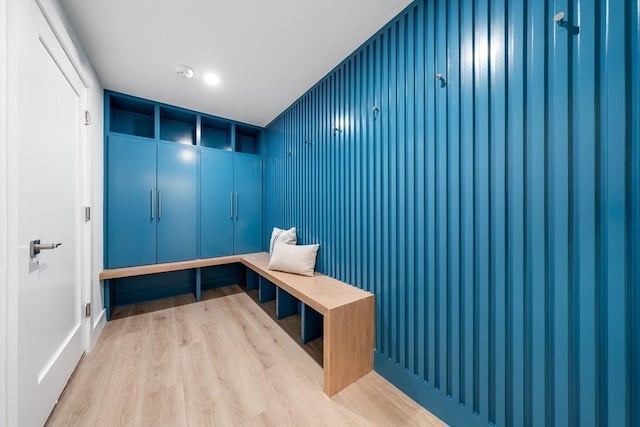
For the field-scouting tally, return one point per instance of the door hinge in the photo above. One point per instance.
(87, 213)
(87, 310)
(87, 118)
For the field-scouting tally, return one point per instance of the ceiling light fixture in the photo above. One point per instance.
(211, 79)
(184, 71)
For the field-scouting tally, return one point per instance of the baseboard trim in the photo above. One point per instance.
(423, 392)
(97, 328)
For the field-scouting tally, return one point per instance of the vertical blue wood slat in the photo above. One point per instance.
(536, 364)
(376, 70)
(481, 268)
(453, 178)
(493, 218)
(400, 193)
(410, 163)
(401, 170)
(558, 214)
(467, 200)
(614, 132)
(384, 202)
(440, 185)
(584, 218)
(516, 216)
(393, 179)
(430, 341)
(634, 261)
(421, 292)
(357, 154)
(498, 117)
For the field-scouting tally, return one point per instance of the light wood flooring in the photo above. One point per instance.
(224, 361)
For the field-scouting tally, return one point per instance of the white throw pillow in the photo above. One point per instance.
(285, 236)
(297, 259)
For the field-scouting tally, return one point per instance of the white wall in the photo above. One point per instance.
(8, 185)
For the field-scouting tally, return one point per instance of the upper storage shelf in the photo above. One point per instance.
(131, 116)
(247, 139)
(177, 126)
(148, 119)
(215, 133)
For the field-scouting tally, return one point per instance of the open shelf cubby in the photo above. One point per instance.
(247, 139)
(215, 133)
(132, 117)
(177, 126)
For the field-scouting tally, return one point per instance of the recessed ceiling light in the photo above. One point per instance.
(184, 71)
(211, 79)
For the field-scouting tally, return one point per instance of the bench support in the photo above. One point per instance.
(107, 298)
(311, 324)
(198, 285)
(252, 279)
(349, 336)
(286, 304)
(266, 290)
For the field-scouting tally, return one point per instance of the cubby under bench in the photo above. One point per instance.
(344, 315)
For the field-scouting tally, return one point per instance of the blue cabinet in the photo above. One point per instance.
(131, 201)
(230, 203)
(179, 185)
(216, 203)
(151, 202)
(177, 202)
(248, 203)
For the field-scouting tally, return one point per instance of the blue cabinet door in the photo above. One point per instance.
(177, 202)
(216, 203)
(248, 203)
(131, 188)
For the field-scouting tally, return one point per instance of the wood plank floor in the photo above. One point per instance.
(221, 362)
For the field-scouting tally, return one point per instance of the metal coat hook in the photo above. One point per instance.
(443, 81)
(559, 18)
(376, 112)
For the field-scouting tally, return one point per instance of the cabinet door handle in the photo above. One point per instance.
(159, 204)
(231, 205)
(236, 206)
(151, 199)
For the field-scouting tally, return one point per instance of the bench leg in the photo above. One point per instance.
(311, 324)
(252, 279)
(198, 285)
(286, 304)
(266, 290)
(107, 298)
(349, 337)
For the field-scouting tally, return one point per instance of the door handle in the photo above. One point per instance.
(159, 205)
(236, 206)
(151, 204)
(35, 247)
(231, 205)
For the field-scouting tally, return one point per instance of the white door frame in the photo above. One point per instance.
(8, 197)
(4, 31)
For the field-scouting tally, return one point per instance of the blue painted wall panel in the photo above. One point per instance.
(494, 216)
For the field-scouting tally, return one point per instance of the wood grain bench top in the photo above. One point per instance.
(321, 292)
(141, 270)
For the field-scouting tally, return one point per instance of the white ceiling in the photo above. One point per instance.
(267, 52)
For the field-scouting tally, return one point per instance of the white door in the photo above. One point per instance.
(51, 99)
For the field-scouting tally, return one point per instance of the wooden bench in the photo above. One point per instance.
(343, 314)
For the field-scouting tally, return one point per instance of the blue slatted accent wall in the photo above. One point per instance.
(495, 217)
